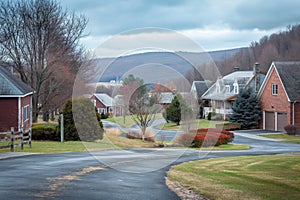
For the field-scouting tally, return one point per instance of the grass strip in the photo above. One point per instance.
(247, 177)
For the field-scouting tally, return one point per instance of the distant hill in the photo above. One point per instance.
(182, 62)
(280, 46)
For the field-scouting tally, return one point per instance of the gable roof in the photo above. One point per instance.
(200, 87)
(104, 98)
(12, 86)
(289, 74)
(243, 79)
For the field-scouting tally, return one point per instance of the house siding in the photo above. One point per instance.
(275, 103)
(297, 114)
(26, 101)
(99, 104)
(8, 114)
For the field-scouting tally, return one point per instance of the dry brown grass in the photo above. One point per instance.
(113, 132)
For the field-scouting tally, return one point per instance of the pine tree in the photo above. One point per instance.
(246, 109)
(178, 110)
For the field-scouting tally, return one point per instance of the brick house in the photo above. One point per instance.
(15, 103)
(280, 96)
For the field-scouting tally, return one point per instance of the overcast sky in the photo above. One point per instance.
(212, 24)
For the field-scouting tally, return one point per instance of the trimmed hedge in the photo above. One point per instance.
(205, 138)
(45, 132)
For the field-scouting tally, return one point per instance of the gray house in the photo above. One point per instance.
(223, 92)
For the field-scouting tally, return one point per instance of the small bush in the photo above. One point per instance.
(209, 116)
(45, 132)
(104, 116)
(133, 134)
(113, 131)
(185, 139)
(290, 129)
(205, 137)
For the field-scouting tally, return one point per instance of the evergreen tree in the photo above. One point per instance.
(81, 121)
(246, 109)
(177, 110)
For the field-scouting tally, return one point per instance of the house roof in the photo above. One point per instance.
(226, 88)
(200, 87)
(166, 97)
(11, 85)
(104, 98)
(289, 73)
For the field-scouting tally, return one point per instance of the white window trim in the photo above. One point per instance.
(273, 89)
(28, 112)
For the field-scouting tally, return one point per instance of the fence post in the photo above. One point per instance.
(22, 139)
(12, 145)
(61, 128)
(29, 139)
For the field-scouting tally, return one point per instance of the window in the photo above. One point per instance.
(274, 89)
(25, 113)
(101, 110)
(227, 88)
(236, 87)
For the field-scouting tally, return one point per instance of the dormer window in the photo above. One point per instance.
(235, 87)
(227, 88)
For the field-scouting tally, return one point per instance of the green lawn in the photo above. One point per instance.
(128, 120)
(230, 147)
(109, 142)
(247, 177)
(283, 137)
(202, 123)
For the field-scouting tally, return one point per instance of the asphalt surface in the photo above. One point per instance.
(111, 174)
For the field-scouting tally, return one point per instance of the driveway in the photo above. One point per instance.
(110, 174)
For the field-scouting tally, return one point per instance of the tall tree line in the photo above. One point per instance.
(39, 40)
(281, 46)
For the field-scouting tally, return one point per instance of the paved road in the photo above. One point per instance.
(111, 174)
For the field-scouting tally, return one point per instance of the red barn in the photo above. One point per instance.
(15, 103)
(280, 96)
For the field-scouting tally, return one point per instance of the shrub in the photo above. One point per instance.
(45, 132)
(134, 134)
(216, 117)
(211, 137)
(113, 132)
(209, 116)
(209, 130)
(104, 116)
(88, 120)
(185, 139)
(290, 129)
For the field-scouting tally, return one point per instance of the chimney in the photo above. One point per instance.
(256, 74)
(235, 69)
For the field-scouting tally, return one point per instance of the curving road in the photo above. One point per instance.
(111, 174)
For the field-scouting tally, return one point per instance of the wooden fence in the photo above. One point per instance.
(15, 139)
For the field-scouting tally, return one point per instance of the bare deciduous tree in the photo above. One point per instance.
(37, 37)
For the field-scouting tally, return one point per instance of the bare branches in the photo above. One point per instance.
(37, 36)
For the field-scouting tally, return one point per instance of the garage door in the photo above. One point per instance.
(281, 121)
(270, 121)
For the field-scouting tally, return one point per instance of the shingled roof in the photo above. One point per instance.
(289, 73)
(201, 87)
(11, 85)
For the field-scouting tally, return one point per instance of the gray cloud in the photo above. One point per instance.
(112, 17)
